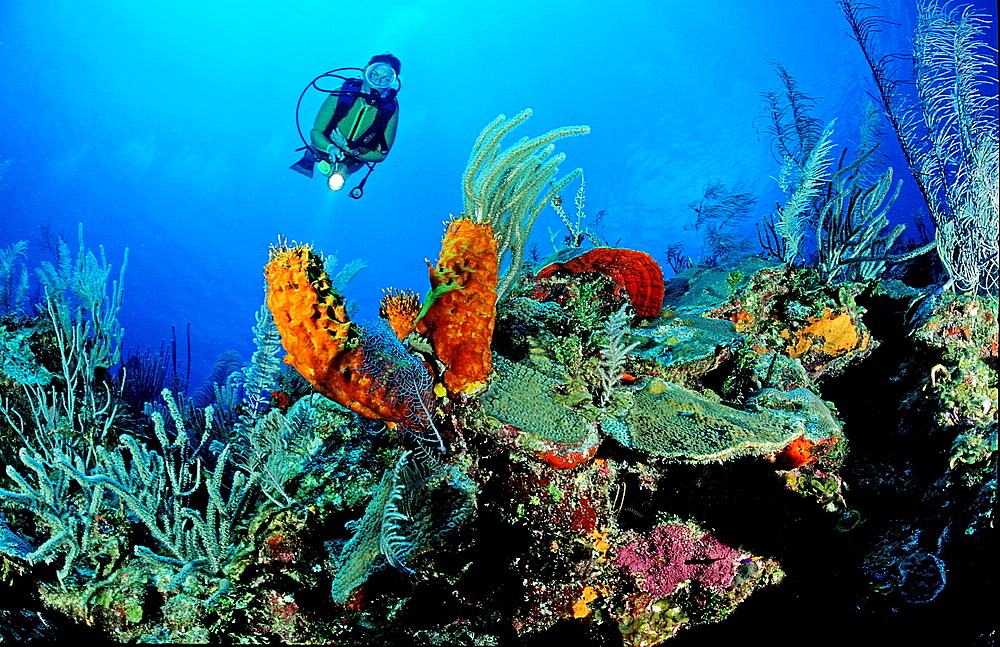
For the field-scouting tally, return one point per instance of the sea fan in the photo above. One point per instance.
(407, 380)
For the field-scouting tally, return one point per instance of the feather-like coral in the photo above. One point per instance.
(948, 131)
(804, 188)
(614, 351)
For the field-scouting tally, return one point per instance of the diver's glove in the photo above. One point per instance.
(336, 152)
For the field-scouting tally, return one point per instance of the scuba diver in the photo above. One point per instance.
(355, 126)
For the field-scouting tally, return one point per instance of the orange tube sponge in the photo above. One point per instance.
(319, 337)
(460, 310)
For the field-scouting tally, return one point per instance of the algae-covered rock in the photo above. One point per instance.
(802, 408)
(699, 289)
(687, 343)
(956, 341)
(779, 371)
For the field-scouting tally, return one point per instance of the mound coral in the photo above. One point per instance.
(669, 420)
(524, 397)
(633, 273)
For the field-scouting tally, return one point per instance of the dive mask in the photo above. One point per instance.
(380, 76)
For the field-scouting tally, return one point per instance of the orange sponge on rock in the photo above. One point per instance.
(460, 310)
(319, 337)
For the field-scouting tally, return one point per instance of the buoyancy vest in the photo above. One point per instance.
(362, 119)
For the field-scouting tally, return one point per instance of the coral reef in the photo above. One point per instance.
(568, 469)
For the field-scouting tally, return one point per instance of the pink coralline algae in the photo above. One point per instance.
(661, 560)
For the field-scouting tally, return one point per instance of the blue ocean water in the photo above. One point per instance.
(169, 129)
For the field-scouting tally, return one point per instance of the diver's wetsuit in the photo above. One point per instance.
(353, 125)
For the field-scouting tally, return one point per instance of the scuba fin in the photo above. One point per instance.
(305, 165)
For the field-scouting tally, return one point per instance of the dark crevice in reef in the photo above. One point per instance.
(894, 475)
(24, 619)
